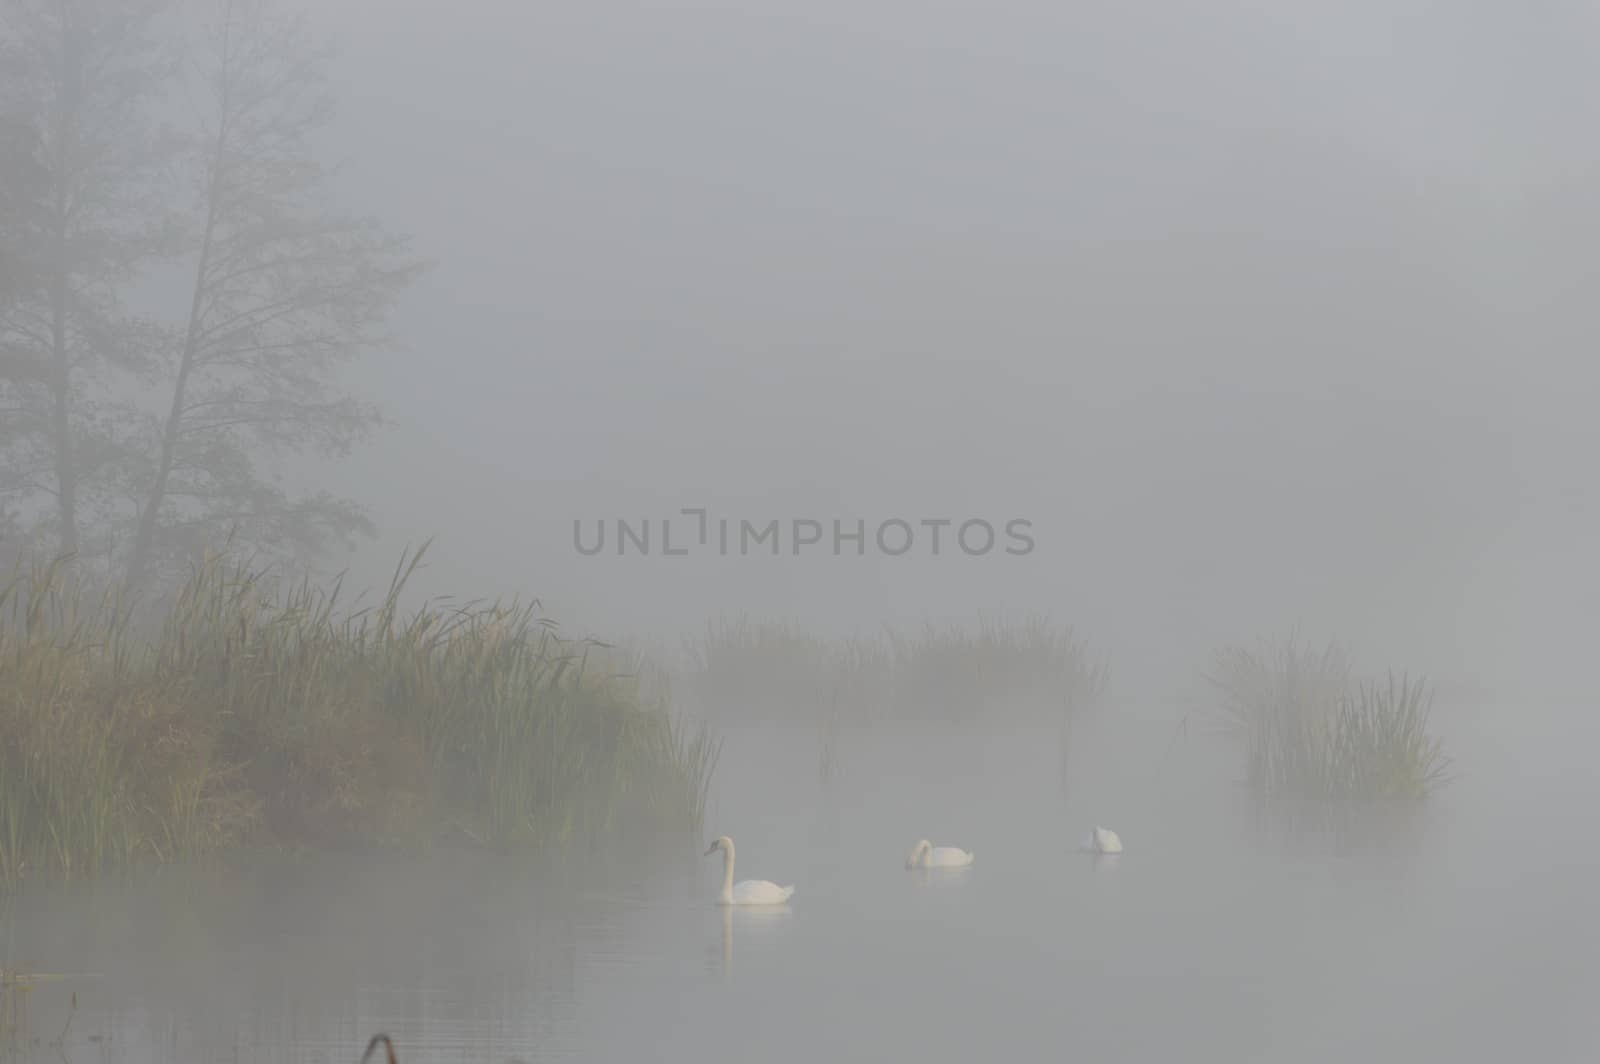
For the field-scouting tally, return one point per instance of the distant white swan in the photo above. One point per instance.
(926, 855)
(750, 891)
(1101, 840)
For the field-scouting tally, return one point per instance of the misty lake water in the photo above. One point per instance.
(1463, 932)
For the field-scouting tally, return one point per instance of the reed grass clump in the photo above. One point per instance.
(775, 669)
(1029, 664)
(1310, 731)
(254, 712)
(764, 669)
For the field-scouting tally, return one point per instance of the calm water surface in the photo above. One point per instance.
(1466, 932)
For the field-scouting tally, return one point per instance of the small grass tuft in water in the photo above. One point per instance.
(254, 713)
(1310, 732)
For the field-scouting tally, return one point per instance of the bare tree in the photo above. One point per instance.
(21, 178)
(282, 291)
(76, 82)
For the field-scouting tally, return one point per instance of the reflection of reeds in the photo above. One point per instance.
(15, 988)
(830, 722)
(251, 711)
(763, 669)
(1309, 732)
(1315, 825)
(827, 746)
(1064, 747)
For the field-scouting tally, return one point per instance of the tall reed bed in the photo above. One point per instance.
(254, 712)
(763, 669)
(1029, 664)
(1310, 731)
(766, 669)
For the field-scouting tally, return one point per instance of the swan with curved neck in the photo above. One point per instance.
(749, 891)
(926, 855)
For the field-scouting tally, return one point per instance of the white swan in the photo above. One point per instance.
(926, 855)
(1101, 840)
(750, 891)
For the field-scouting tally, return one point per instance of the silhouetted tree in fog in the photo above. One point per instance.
(281, 290)
(20, 178)
(81, 218)
(144, 437)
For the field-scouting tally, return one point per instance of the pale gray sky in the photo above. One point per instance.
(1260, 315)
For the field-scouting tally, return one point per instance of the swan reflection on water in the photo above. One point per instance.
(757, 919)
(945, 877)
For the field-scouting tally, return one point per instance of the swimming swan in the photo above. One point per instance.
(1101, 840)
(926, 855)
(750, 891)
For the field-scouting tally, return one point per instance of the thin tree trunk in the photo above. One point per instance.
(144, 538)
(69, 98)
(60, 421)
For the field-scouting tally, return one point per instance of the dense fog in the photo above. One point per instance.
(1096, 500)
(1259, 317)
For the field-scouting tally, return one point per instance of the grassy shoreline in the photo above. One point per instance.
(247, 713)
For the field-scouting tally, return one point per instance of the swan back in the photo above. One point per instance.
(1102, 840)
(949, 857)
(759, 892)
(926, 855)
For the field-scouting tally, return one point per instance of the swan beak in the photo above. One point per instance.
(710, 851)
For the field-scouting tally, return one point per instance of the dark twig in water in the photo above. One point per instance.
(61, 1039)
(372, 1046)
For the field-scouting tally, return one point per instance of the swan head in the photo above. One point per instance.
(917, 851)
(722, 842)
